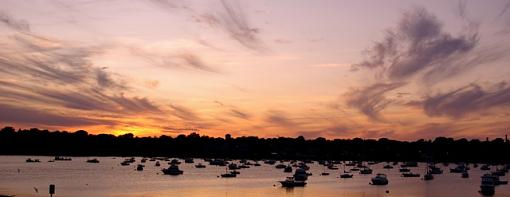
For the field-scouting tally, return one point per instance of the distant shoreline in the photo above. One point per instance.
(37, 142)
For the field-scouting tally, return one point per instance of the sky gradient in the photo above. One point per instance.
(337, 69)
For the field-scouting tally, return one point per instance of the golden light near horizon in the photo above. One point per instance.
(170, 67)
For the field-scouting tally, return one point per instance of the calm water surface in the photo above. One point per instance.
(109, 178)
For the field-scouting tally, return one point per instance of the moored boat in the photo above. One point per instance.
(379, 179)
(93, 160)
(172, 170)
(428, 176)
(410, 174)
(365, 171)
(291, 182)
(200, 165)
(346, 175)
(488, 184)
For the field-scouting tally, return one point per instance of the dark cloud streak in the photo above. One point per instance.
(466, 100)
(417, 44)
(371, 100)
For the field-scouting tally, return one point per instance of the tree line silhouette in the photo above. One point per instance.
(80, 143)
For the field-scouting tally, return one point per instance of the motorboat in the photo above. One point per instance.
(429, 176)
(410, 174)
(409, 164)
(459, 169)
(365, 171)
(280, 166)
(465, 174)
(270, 162)
(29, 160)
(300, 174)
(231, 174)
(288, 169)
(488, 185)
(332, 167)
(292, 182)
(172, 170)
(233, 166)
(217, 162)
(174, 162)
(200, 165)
(379, 179)
(127, 162)
(93, 161)
(60, 158)
(346, 175)
(139, 167)
(498, 173)
(435, 170)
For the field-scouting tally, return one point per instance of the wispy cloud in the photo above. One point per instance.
(417, 44)
(371, 100)
(63, 78)
(13, 23)
(184, 113)
(419, 51)
(233, 20)
(35, 117)
(230, 18)
(466, 100)
(239, 114)
(177, 59)
(280, 119)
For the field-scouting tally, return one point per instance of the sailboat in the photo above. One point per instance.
(346, 174)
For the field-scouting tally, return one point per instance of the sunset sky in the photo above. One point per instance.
(337, 69)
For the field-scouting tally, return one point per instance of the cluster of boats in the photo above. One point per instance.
(489, 180)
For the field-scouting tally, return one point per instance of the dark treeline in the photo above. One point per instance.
(81, 143)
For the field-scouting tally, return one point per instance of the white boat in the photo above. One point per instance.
(380, 179)
(488, 186)
(300, 175)
(365, 171)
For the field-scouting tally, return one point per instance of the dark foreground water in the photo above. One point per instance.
(109, 178)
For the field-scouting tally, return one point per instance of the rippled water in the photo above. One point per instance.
(109, 178)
